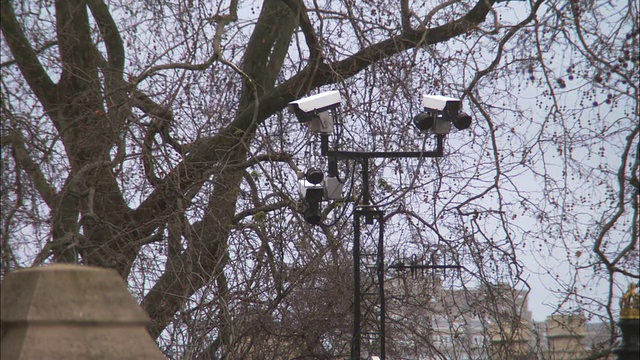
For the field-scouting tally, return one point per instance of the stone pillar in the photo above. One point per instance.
(72, 312)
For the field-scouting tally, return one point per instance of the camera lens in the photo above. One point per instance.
(314, 176)
(312, 216)
(462, 121)
(423, 121)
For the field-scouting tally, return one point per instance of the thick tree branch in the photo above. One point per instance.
(315, 49)
(283, 157)
(332, 73)
(80, 71)
(432, 13)
(264, 209)
(173, 66)
(405, 15)
(161, 121)
(27, 59)
(207, 252)
(266, 51)
(116, 88)
(263, 60)
(110, 34)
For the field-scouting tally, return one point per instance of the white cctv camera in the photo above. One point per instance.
(439, 113)
(314, 179)
(310, 203)
(306, 108)
(441, 103)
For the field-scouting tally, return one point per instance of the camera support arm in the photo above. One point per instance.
(363, 157)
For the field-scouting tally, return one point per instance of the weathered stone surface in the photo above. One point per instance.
(72, 312)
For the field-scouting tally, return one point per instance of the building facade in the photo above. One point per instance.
(484, 323)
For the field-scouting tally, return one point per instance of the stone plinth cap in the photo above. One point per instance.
(70, 293)
(72, 312)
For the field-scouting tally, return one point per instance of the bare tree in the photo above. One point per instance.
(150, 137)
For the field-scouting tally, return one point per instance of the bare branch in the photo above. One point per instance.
(262, 209)
(48, 45)
(434, 11)
(405, 13)
(173, 66)
(26, 57)
(283, 157)
(22, 157)
(223, 21)
(480, 74)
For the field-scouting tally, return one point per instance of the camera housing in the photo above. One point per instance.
(462, 121)
(308, 108)
(441, 104)
(332, 188)
(317, 111)
(315, 187)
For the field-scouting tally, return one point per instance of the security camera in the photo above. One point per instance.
(439, 113)
(314, 175)
(311, 197)
(307, 109)
(441, 104)
(433, 122)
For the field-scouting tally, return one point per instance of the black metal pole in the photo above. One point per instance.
(366, 195)
(383, 349)
(440, 146)
(324, 144)
(363, 157)
(332, 160)
(629, 347)
(355, 345)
